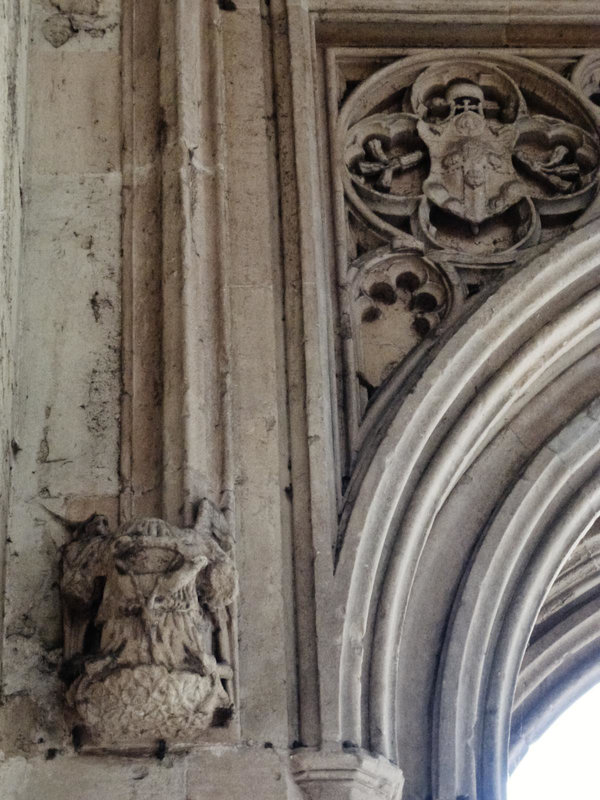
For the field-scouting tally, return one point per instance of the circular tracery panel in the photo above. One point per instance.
(470, 163)
(586, 77)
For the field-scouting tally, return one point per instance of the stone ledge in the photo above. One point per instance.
(355, 775)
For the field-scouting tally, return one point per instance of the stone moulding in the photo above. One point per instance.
(141, 613)
(388, 422)
(521, 552)
(561, 661)
(543, 320)
(355, 775)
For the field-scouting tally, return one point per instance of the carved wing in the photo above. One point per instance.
(83, 563)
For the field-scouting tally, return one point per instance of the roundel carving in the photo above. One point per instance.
(476, 159)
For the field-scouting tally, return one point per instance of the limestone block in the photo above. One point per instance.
(251, 221)
(85, 778)
(70, 438)
(75, 116)
(239, 774)
(346, 776)
(263, 633)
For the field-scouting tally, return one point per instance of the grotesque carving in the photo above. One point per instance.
(141, 609)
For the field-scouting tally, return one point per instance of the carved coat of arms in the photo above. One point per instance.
(460, 143)
(471, 173)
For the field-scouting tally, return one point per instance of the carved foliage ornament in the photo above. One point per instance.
(396, 301)
(141, 608)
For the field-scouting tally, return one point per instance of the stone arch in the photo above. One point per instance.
(499, 399)
(550, 507)
(562, 660)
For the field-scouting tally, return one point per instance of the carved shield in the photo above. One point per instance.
(471, 173)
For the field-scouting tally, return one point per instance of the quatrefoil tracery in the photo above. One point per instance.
(466, 150)
(454, 167)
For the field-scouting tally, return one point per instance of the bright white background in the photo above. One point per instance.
(564, 763)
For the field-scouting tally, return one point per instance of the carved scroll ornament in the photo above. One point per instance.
(141, 608)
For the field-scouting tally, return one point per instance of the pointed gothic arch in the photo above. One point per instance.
(439, 593)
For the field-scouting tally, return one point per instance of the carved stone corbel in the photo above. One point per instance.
(348, 775)
(141, 611)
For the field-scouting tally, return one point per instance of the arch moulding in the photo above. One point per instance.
(446, 488)
(505, 409)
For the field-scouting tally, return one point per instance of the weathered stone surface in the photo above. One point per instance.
(68, 336)
(77, 130)
(13, 91)
(239, 774)
(319, 263)
(141, 608)
(58, 29)
(85, 24)
(233, 773)
(346, 776)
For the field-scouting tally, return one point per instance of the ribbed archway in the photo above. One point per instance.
(469, 503)
(562, 660)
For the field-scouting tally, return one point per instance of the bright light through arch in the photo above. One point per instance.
(565, 760)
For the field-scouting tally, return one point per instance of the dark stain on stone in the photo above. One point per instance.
(95, 304)
(77, 735)
(161, 749)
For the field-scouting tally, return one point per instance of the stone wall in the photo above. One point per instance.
(220, 291)
(66, 421)
(13, 88)
(98, 423)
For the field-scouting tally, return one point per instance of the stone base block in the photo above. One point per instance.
(355, 775)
